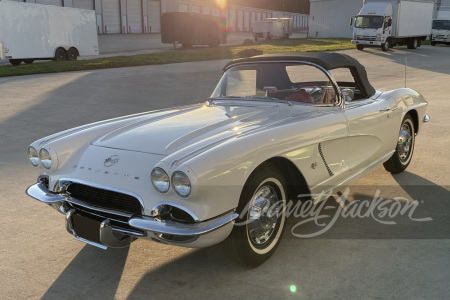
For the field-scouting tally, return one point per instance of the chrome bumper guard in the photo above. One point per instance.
(116, 237)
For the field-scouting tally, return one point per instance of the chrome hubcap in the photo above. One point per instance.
(404, 142)
(263, 215)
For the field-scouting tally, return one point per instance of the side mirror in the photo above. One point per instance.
(348, 94)
(351, 21)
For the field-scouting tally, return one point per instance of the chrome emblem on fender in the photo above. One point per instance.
(111, 161)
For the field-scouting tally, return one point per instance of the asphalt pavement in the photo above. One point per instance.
(357, 259)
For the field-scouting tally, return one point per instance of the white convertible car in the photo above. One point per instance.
(276, 127)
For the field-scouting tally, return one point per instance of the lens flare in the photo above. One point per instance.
(221, 3)
(293, 288)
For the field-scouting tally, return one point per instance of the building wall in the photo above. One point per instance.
(331, 18)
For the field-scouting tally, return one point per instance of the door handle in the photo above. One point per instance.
(385, 109)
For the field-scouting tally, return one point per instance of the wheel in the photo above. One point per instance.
(412, 44)
(385, 47)
(60, 55)
(262, 216)
(28, 61)
(360, 47)
(401, 158)
(15, 62)
(433, 43)
(72, 54)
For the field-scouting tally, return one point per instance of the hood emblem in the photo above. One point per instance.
(111, 161)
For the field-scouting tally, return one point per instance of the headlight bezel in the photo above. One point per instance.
(34, 155)
(163, 173)
(179, 182)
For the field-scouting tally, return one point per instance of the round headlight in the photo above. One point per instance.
(160, 180)
(33, 156)
(46, 159)
(181, 184)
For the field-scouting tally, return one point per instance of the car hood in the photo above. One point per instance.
(175, 130)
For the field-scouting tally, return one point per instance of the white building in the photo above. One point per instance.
(331, 18)
(144, 16)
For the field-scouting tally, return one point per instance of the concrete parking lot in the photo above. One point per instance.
(357, 259)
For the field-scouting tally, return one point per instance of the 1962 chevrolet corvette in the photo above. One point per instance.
(275, 127)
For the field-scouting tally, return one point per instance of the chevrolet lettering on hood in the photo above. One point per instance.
(276, 127)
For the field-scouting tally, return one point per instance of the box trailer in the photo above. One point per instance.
(440, 32)
(272, 28)
(189, 29)
(391, 23)
(31, 32)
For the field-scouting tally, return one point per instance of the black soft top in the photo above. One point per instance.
(326, 60)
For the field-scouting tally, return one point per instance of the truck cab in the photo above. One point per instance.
(373, 25)
(440, 31)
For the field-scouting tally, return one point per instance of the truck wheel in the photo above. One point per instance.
(28, 61)
(360, 47)
(60, 55)
(412, 44)
(433, 43)
(15, 62)
(385, 47)
(262, 208)
(72, 54)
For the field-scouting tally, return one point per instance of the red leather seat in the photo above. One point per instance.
(300, 96)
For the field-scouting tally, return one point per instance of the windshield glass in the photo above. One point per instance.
(276, 81)
(441, 24)
(369, 22)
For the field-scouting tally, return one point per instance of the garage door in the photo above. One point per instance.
(246, 21)
(240, 20)
(134, 16)
(111, 16)
(84, 4)
(154, 16)
(50, 2)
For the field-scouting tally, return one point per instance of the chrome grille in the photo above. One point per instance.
(106, 199)
(366, 37)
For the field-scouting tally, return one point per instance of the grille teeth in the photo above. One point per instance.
(106, 199)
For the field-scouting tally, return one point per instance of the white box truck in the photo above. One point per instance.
(440, 32)
(390, 23)
(272, 28)
(31, 32)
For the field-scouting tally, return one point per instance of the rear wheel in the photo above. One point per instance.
(28, 61)
(60, 55)
(433, 43)
(360, 47)
(258, 230)
(412, 44)
(72, 54)
(401, 158)
(15, 62)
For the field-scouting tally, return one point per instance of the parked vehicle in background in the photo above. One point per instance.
(272, 28)
(440, 32)
(189, 29)
(390, 23)
(30, 32)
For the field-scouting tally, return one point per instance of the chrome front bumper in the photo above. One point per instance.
(116, 237)
(366, 43)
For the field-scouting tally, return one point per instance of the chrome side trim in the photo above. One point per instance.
(353, 177)
(165, 227)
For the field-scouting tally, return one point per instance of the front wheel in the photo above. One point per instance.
(15, 62)
(262, 217)
(360, 47)
(385, 47)
(433, 43)
(401, 158)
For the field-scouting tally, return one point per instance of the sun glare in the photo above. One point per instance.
(222, 4)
